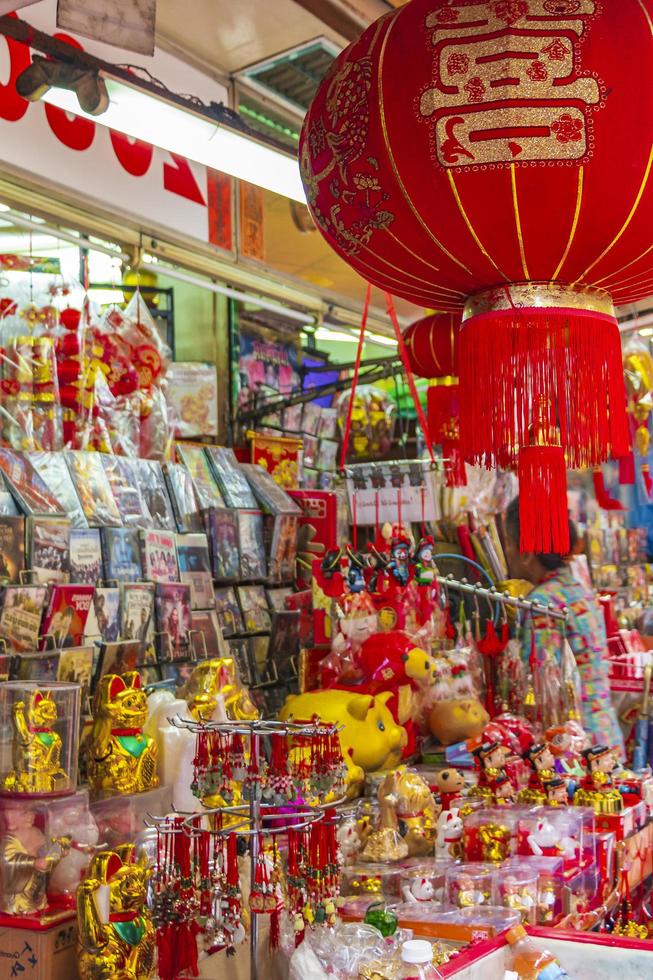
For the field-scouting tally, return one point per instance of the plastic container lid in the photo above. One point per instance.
(417, 951)
(515, 934)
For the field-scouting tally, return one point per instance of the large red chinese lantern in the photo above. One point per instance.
(494, 158)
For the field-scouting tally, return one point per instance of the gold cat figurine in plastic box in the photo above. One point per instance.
(121, 759)
(36, 748)
(116, 936)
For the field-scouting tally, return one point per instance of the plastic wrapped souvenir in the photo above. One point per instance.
(564, 832)
(120, 758)
(415, 808)
(374, 880)
(40, 731)
(490, 834)
(71, 820)
(214, 692)
(116, 935)
(517, 889)
(28, 857)
(470, 884)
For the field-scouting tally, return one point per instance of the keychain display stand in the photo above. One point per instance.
(266, 791)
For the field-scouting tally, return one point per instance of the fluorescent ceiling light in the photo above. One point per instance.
(142, 116)
(646, 332)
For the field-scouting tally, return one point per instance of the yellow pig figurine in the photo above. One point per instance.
(370, 737)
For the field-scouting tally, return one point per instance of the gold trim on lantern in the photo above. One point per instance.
(539, 295)
(448, 381)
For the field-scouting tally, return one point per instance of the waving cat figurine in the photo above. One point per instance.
(36, 748)
(116, 936)
(121, 759)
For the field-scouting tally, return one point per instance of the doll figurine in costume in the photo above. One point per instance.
(116, 936)
(121, 759)
(355, 572)
(597, 788)
(27, 860)
(542, 763)
(36, 748)
(425, 568)
(491, 758)
(399, 564)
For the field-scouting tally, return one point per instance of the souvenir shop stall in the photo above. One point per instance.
(295, 709)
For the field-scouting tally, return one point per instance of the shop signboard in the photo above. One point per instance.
(98, 166)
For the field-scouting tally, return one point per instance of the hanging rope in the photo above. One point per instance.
(392, 312)
(359, 355)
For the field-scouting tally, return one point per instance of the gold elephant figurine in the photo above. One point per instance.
(121, 759)
(117, 940)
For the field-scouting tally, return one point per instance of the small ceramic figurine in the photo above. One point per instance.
(355, 575)
(116, 935)
(504, 791)
(121, 759)
(449, 834)
(545, 840)
(597, 788)
(542, 763)
(556, 791)
(450, 785)
(518, 897)
(399, 564)
(36, 747)
(419, 890)
(491, 758)
(425, 568)
(27, 860)
(468, 896)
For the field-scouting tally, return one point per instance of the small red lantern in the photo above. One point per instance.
(462, 154)
(70, 318)
(432, 345)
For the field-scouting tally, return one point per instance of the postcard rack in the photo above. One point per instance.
(255, 818)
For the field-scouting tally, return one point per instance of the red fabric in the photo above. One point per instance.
(425, 160)
(543, 515)
(432, 345)
(444, 429)
(515, 364)
(603, 498)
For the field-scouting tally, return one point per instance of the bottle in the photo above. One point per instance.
(529, 962)
(417, 961)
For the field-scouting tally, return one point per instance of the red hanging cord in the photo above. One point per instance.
(392, 312)
(376, 517)
(354, 518)
(421, 493)
(399, 509)
(359, 355)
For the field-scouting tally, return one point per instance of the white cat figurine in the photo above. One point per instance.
(419, 890)
(449, 833)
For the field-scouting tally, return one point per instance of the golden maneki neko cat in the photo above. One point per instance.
(116, 937)
(36, 748)
(214, 681)
(121, 759)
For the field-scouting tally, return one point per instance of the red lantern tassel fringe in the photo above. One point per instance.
(512, 362)
(603, 498)
(543, 516)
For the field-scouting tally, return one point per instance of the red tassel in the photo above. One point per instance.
(627, 470)
(646, 476)
(543, 515)
(603, 498)
(512, 361)
(274, 936)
